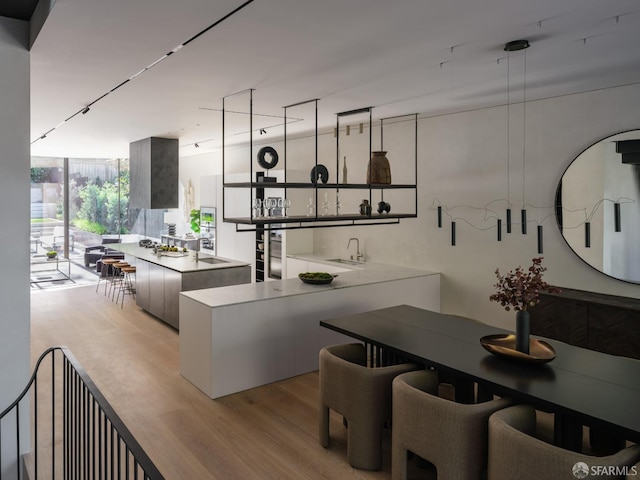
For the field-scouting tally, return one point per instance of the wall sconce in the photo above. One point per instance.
(540, 246)
(499, 228)
(523, 217)
(453, 234)
(439, 216)
(587, 234)
(508, 220)
(616, 217)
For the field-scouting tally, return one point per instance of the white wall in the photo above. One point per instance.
(14, 214)
(462, 162)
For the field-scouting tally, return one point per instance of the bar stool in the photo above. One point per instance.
(127, 284)
(106, 273)
(117, 277)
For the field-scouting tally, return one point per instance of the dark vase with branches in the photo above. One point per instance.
(520, 289)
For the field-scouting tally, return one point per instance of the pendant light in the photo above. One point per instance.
(515, 46)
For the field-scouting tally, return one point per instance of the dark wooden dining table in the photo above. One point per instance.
(580, 386)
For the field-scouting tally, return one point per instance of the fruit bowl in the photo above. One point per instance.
(316, 278)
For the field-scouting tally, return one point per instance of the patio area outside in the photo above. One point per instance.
(77, 206)
(70, 271)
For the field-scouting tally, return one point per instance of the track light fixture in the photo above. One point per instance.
(263, 131)
(196, 145)
(165, 56)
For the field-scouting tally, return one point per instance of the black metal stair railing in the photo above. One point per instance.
(75, 433)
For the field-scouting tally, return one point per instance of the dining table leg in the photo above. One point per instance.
(567, 432)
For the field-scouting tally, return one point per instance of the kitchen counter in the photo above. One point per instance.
(182, 264)
(239, 337)
(160, 279)
(350, 276)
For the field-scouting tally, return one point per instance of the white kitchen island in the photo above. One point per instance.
(243, 336)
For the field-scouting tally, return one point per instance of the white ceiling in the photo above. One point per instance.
(402, 56)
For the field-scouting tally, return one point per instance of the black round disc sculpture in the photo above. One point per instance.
(262, 159)
(321, 172)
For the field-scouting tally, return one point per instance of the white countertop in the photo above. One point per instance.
(180, 264)
(362, 274)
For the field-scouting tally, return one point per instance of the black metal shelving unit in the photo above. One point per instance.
(262, 225)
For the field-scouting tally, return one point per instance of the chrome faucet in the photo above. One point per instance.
(198, 247)
(359, 255)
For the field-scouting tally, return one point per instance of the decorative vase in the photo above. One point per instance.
(379, 170)
(344, 171)
(522, 331)
(365, 207)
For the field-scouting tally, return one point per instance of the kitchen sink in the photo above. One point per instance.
(345, 261)
(211, 260)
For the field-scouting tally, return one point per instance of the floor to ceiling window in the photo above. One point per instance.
(77, 203)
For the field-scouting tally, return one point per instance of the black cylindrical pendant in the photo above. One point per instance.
(439, 217)
(453, 233)
(587, 234)
(540, 246)
(523, 216)
(508, 220)
(499, 227)
(616, 217)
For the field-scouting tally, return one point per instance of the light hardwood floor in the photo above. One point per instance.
(265, 433)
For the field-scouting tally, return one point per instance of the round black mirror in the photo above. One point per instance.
(598, 208)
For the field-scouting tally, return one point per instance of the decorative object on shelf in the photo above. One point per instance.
(286, 205)
(338, 204)
(325, 204)
(272, 205)
(310, 207)
(316, 278)
(267, 157)
(365, 207)
(344, 171)
(384, 207)
(519, 289)
(171, 218)
(52, 254)
(319, 172)
(379, 170)
(505, 346)
(257, 207)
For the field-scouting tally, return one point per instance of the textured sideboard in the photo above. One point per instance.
(606, 323)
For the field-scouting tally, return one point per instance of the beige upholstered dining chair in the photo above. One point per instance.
(362, 395)
(515, 452)
(452, 436)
